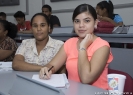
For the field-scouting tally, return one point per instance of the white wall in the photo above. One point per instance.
(34, 6)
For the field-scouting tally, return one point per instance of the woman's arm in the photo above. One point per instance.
(62, 70)
(111, 21)
(19, 60)
(19, 64)
(58, 61)
(5, 54)
(89, 71)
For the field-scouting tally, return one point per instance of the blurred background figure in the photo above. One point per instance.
(2, 16)
(22, 24)
(54, 20)
(8, 46)
(105, 12)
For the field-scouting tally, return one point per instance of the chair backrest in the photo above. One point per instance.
(128, 88)
(123, 59)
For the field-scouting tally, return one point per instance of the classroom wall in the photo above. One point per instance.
(63, 9)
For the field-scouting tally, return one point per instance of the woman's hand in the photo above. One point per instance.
(87, 41)
(44, 74)
(99, 17)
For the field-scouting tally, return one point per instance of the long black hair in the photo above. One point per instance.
(108, 5)
(10, 27)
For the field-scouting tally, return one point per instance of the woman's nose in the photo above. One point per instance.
(81, 24)
(38, 28)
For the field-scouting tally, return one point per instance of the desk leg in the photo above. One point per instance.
(125, 45)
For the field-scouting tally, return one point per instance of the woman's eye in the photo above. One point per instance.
(34, 25)
(43, 25)
(76, 21)
(87, 20)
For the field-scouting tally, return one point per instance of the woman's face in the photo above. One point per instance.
(99, 11)
(40, 28)
(20, 20)
(84, 24)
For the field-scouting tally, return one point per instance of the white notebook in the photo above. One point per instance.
(5, 66)
(56, 80)
(130, 29)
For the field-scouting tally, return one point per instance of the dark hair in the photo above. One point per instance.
(108, 6)
(19, 14)
(10, 27)
(47, 6)
(3, 14)
(41, 14)
(84, 8)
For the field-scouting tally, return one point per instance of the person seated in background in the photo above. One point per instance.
(23, 26)
(87, 56)
(54, 20)
(2, 16)
(8, 46)
(14, 31)
(33, 54)
(105, 12)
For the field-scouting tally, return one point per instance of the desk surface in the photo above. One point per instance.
(7, 79)
(116, 38)
(73, 34)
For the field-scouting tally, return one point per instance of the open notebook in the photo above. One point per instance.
(56, 80)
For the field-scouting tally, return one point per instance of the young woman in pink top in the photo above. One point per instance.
(87, 56)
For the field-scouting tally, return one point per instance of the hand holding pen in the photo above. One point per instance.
(45, 72)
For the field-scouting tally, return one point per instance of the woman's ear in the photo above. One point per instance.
(96, 22)
(5, 33)
(49, 29)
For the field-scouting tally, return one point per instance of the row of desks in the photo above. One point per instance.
(114, 38)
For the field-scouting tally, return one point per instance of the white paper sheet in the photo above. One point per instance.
(130, 30)
(56, 80)
(5, 66)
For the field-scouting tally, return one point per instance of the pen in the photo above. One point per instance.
(49, 69)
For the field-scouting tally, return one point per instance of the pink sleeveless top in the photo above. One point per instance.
(70, 48)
